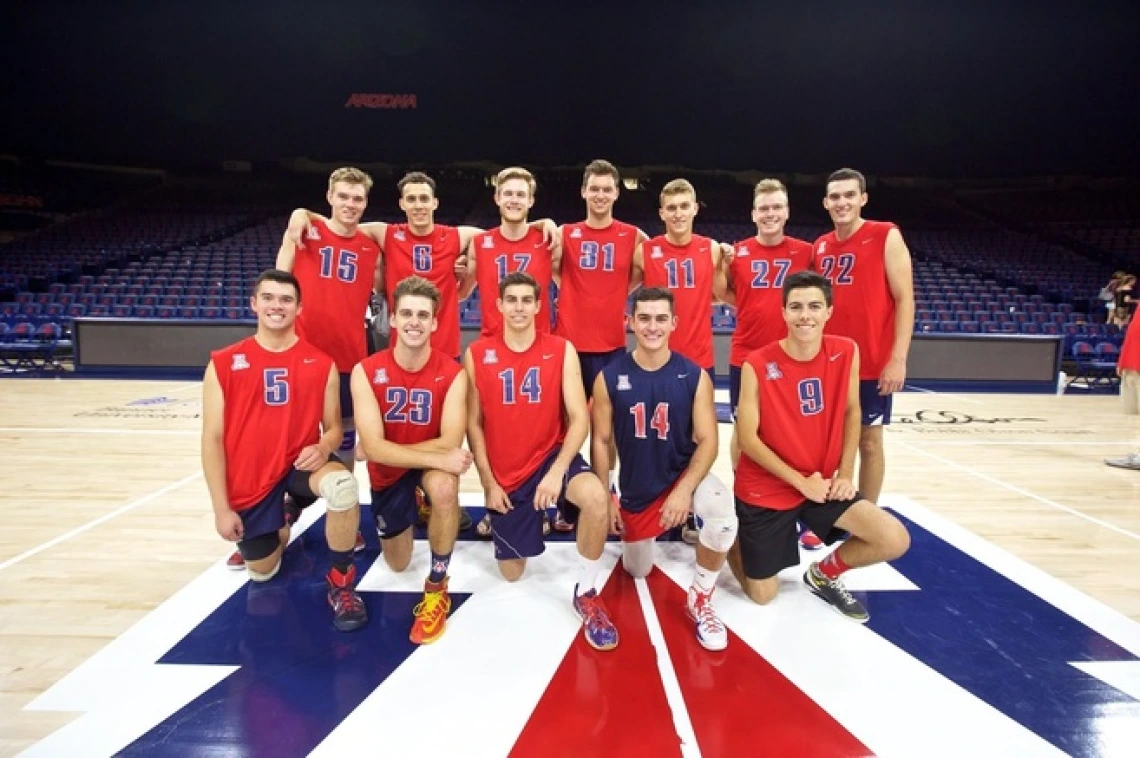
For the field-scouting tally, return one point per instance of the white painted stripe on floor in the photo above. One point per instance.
(676, 699)
(101, 520)
(82, 430)
(1020, 491)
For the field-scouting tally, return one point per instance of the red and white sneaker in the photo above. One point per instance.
(809, 541)
(711, 632)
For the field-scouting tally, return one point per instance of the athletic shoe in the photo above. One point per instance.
(835, 593)
(1130, 461)
(690, 534)
(559, 522)
(809, 541)
(597, 628)
(431, 613)
(236, 563)
(349, 613)
(465, 521)
(711, 633)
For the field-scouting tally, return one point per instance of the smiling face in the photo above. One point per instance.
(419, 203)
(652, 322)
(519, 305)
(678, 211)
(844, 201)
(805, 312)
(600, 192)
(347, 202)
(770, 213)
(414, 320)
(276, 306)
(514, 198)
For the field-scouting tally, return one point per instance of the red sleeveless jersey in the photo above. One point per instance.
(802, 406)
(864, 306)
(687, 272)
(432, 257)
(595, 284)
(1129, 358)
(274, 403)
(411, 403)
(758, 272)
(521, 398)
(495, 257)
(336, 275)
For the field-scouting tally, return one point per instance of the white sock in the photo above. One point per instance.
(587, 573)
(704, 580)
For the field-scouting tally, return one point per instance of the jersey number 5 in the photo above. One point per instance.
(276, 388)
(659, 423)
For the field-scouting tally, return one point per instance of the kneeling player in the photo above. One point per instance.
(658, 407)
(798, 425)
(265, 402)
(411, 414)
(527, 419)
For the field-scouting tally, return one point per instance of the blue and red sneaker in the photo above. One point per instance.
(599, 631)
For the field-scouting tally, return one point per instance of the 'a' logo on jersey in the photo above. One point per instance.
(576, 234)
(239, 362)
(400, 236)
(381, 376)
(772, 371)
(623, 382)
(657, 252)
(489, 357)
(488, 243)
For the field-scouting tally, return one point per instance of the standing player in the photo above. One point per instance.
(683, 263)
(798, 424)
(527, 419)
(421, 247)
(869, 266)
(514, 246)
(594, 273)
(751, 279)
(265, 400)
(1128, 367)
(657, 406)
(411, 413)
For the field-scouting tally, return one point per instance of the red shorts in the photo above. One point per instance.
(645, 524)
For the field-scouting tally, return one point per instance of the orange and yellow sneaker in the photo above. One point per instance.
(431, 613)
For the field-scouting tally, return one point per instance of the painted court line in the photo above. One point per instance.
(78, 430)
(1023, 492)
(673, 695)
(1023, 443)
(923, 390)
(102, 519)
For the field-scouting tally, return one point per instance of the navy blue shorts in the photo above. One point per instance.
(733, 389)
(268, 516)
(592, 365)
(395, 506)
(346, 396)
(518, 533)
(876, 408)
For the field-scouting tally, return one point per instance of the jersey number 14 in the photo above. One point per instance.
(658, 423)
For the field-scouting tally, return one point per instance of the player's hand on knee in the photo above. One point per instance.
(815, 488)
(548, 490)
(455, 461)
(675, 509)
(229, 526)
(616, 524)
(841, 489)
(311, 458)
(497, 500)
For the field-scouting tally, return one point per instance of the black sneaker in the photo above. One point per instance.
(835, 593)
(349, 613)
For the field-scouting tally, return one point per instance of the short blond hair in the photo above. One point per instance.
(677, 187)
(350, 175)
(766, 186)
(516, 172)
(416, 286)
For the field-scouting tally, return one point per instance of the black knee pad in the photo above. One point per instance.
(259, 547)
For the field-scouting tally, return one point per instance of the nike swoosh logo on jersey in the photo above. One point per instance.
(439, 378)
(547, 357)
(681, 376)
(837, 355)
(623, 234)
(309, 360)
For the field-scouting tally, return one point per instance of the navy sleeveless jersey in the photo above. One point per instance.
(653, 425)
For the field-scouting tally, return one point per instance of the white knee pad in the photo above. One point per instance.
(637, 557)
(716, 514)
(255, 576)
(340, 491)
